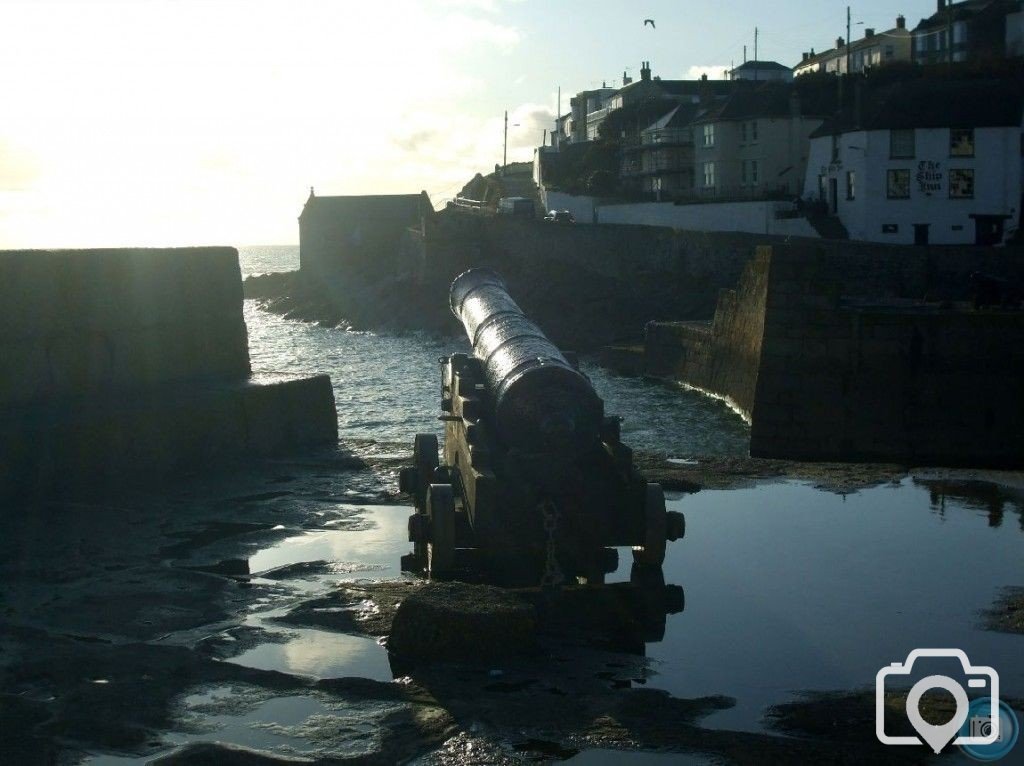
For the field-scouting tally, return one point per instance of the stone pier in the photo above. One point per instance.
(831, 358)
(121, 364)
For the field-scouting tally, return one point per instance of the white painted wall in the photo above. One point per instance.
(749, 217)
(997, 184)
(1015, 34)
(582, 208)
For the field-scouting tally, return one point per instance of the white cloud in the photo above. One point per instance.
(713, 71)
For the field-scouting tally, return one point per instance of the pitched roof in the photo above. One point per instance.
(960, 11)
(930, 103)
(762, 65)
(863, 42)
(771, 99)
(401, 207)
(684, 87)
(679, 117)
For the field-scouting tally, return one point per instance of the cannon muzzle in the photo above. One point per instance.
(539, 401)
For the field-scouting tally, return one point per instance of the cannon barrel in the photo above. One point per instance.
(539, 402)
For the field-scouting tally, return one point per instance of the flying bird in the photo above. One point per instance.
(651, 22)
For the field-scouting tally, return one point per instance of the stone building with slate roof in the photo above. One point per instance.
(358, 234)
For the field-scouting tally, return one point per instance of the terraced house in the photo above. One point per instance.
(923, 162)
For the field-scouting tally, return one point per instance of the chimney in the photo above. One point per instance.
(901, 22)
(940, 5)
(840, 42)
(869, 32)
(812, 52)
(806, 55)
(645, 70)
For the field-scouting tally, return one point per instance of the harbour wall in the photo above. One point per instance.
(589, 286)
(838, 358)
(133, 364)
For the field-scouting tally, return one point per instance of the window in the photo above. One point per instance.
(709, 135)
(709, 174)
(753, 172)
(851, 185)
(898, 184)
(743, 132)
(961, 183)
(753, 130)
(961, 142)
(901, 144)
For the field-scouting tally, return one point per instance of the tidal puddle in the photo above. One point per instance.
(320, 654)
(284, 726)
(350, 552)
(789, 588)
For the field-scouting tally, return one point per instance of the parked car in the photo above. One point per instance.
(560, 216)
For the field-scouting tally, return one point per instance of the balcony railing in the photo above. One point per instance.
(721, 194)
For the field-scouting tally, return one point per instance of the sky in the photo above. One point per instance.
(189, 122)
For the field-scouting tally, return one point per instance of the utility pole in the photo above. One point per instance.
(504, 151)
(949, 33)
(558, 119)
(755, 55)
(847, 39)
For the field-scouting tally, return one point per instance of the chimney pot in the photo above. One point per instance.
(901, 22)
(840, 42)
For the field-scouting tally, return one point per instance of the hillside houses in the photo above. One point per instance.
(816, 142)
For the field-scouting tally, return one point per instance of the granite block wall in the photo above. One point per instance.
(835, 357)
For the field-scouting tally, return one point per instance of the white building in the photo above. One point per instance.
(872, 50)
(761, 71)
(923, 162)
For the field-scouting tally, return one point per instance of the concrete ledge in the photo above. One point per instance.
(154, 434)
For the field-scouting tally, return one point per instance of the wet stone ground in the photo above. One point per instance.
(243, 620)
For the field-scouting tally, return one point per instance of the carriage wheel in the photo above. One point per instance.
(652, 552)
(424, 453)
(441, 513)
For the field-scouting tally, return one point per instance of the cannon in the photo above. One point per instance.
(534, 485)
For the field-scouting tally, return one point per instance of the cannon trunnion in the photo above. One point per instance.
(534, 485)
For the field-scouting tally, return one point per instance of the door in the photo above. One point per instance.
(988, 230)
(921, 233)
(833, 196)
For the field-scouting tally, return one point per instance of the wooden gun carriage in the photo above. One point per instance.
(534, 485)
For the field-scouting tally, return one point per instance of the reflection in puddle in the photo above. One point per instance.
(320, 654)
(790, 588)
(378, 547)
